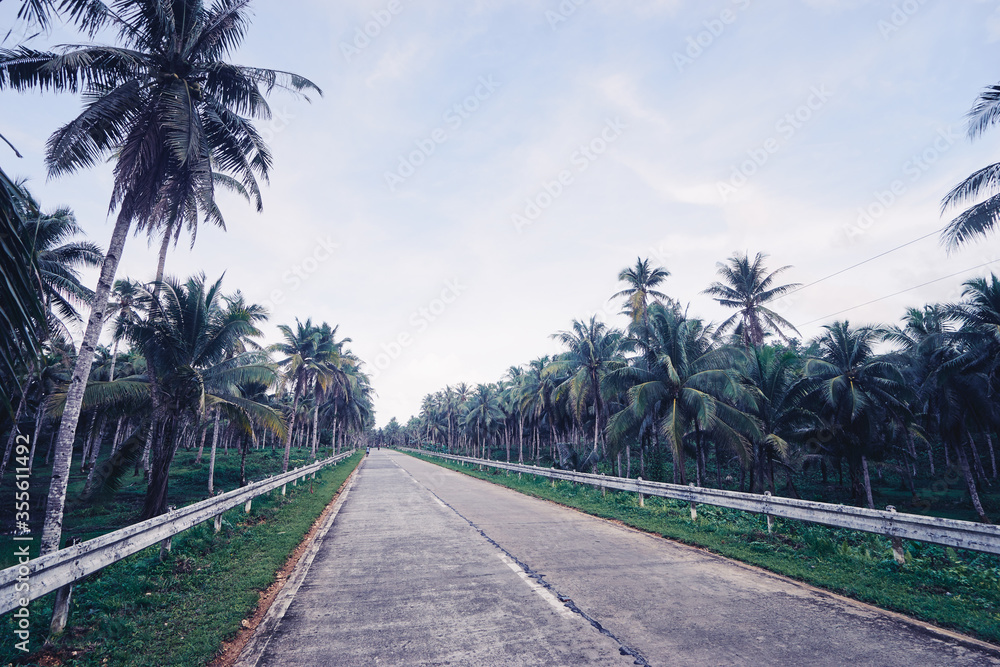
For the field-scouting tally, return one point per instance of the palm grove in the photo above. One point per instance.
(740, 405)
(185, 366)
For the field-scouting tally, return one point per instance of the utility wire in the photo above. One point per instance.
(908, 289)
(870, 259)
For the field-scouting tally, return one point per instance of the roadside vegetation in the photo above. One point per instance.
(951, 588)
(172, 393)
(144, 612)
(902, 414)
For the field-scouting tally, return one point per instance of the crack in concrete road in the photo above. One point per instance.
(539, 577)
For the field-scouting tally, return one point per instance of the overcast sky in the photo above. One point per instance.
(477, 173)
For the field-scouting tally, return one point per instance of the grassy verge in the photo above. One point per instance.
(951, 588)
(141, 611)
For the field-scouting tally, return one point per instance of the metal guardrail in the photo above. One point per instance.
(897, 525)
(54, 570)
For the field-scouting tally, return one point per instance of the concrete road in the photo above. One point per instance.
(401, 579)
(428, 566)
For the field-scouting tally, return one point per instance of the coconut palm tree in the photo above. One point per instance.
(59, 259)
(594, 351)
(747, 287)
(641, 281)
(20, 293)
(170, 111)
(189, 338)
(688, 387)
(980, 218)
(484, 416)
(309, 351)
(858, 391)
(777, 404)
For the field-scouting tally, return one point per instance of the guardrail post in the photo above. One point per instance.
(218, 522)
(897, 542)
(165, 547)
(283, 489)
(60, 608)
(642, 498)
(247, 508)
(694, 510)
(604, 489)
(770, 519)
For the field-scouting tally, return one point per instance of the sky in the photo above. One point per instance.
(476, 174)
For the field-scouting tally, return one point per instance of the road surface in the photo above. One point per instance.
(425, 566)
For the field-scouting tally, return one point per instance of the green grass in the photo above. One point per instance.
(188, 484)
(952, 588)
(141, 611)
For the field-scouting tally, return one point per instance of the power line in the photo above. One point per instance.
(870, 259)
(908, 289)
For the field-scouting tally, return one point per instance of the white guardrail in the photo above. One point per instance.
(54, 570)
(897, 525)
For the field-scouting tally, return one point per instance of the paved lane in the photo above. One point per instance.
(679, 605)
(400, 579)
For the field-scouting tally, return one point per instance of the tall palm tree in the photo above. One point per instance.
(484, 416)
(981, 218)
(858, 391)
(778, 406)
(594, 351)
(308, 351)
(170, 111)
(747, 287)
(687, 387)
(59, 259)
(641, 281)
(189, 336)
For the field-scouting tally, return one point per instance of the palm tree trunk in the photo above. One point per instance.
(868, 482)
(88, 442)
(164, 447)
(970, 481)
(204, 432)
(993, 456)
(978, 462)
(211, 456)
(315, 429)
(13, 432)
(162, 261)
(95, 452)
(39, 422)
(52, 527)
(291, 424)
(244, 446)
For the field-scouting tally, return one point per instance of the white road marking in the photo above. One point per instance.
(560, 608)
(438, 501)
